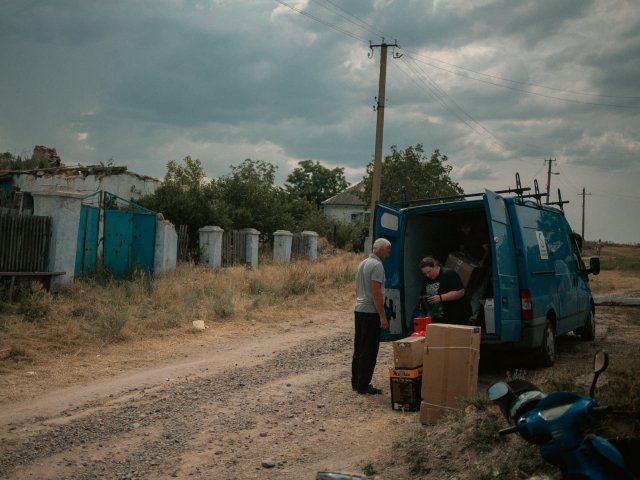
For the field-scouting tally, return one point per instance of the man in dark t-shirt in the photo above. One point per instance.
(442, 295)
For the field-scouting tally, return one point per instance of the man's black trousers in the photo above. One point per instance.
(366, 343)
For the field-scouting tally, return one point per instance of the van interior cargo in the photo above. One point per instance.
(438, 234)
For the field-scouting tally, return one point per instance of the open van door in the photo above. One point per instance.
(388, 223)
(506, 294)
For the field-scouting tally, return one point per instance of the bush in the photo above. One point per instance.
(36, 304)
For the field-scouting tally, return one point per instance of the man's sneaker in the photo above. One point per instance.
(370, 390)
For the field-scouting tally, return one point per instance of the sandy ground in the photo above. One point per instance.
(235, 401)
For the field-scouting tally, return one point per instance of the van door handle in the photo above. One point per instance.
(505, 300)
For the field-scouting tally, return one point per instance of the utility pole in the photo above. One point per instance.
(379, 108)
(584, 194)
(549, 173)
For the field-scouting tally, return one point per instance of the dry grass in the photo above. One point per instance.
(90, 315)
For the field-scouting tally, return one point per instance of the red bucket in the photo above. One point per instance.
(420, 323)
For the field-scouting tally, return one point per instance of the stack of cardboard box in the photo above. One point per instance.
(464, 266)
(449, 369)
(435, 373)
(405, 379)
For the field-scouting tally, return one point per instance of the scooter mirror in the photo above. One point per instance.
(600, 364)
(497, 391)
(600, 361)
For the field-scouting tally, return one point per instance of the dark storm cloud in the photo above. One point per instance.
(496, 85)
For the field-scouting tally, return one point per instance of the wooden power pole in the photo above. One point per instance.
(584, 194)
(379, 108)
(549, 173)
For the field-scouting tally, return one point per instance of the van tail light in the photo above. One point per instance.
(526, 308)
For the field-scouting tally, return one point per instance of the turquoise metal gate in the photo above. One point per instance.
(128, 233)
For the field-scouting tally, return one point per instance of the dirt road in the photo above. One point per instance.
(268, 403)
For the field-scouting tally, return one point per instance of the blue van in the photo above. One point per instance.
(535, 284)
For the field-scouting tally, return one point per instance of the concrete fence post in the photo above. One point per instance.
(251, 246)
(166, 247)
(282, 240)
(310, 242)
(210, 242)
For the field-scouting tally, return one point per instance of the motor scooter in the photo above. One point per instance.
(558, 423)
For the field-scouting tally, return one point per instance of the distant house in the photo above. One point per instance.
(18, 186)
(347, 206)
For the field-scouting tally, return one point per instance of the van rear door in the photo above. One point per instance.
(388, 223)
(504, 269)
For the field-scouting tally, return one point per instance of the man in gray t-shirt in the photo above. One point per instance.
(369, 317)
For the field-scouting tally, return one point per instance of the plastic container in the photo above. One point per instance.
(420, 323)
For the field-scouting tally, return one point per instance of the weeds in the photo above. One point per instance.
(223, 307)
(36, 304)
(480, 402)
(484, 436)
(107, 326)
(369, 470)
(98, 309)
(299, 281)
(17, 354)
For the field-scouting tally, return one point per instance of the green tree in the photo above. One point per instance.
(421, 176)
(314, 182)
(186, 197)
(252, 199)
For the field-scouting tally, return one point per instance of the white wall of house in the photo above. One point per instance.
(64, 210)
(343, 213)
(127, 185)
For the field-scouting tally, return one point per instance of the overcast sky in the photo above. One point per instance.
(497, 86)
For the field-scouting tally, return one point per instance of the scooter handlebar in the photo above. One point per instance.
(508, 431)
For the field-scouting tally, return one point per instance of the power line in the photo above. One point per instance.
(361, 23)
(368, 27)
(323, 22)
(529, 92)
(526, 83)
(444, 98)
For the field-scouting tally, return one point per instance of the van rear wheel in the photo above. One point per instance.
(546, 353)
(588, 330)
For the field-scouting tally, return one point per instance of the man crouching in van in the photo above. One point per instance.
(442, 295)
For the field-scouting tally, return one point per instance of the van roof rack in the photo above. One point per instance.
(518, 191)
(560, 202)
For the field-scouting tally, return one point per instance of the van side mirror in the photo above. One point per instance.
(594, 265)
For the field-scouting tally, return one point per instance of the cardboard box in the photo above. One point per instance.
(449, 369)
(408, 352)
(463, 267)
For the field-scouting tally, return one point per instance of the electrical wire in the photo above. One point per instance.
(323, 22)
(422, 79)
(368, 27)
(451, 105)
(358, 22)
(529, 92)
(622, 97)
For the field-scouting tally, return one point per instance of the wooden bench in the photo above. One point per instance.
(43, 277)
